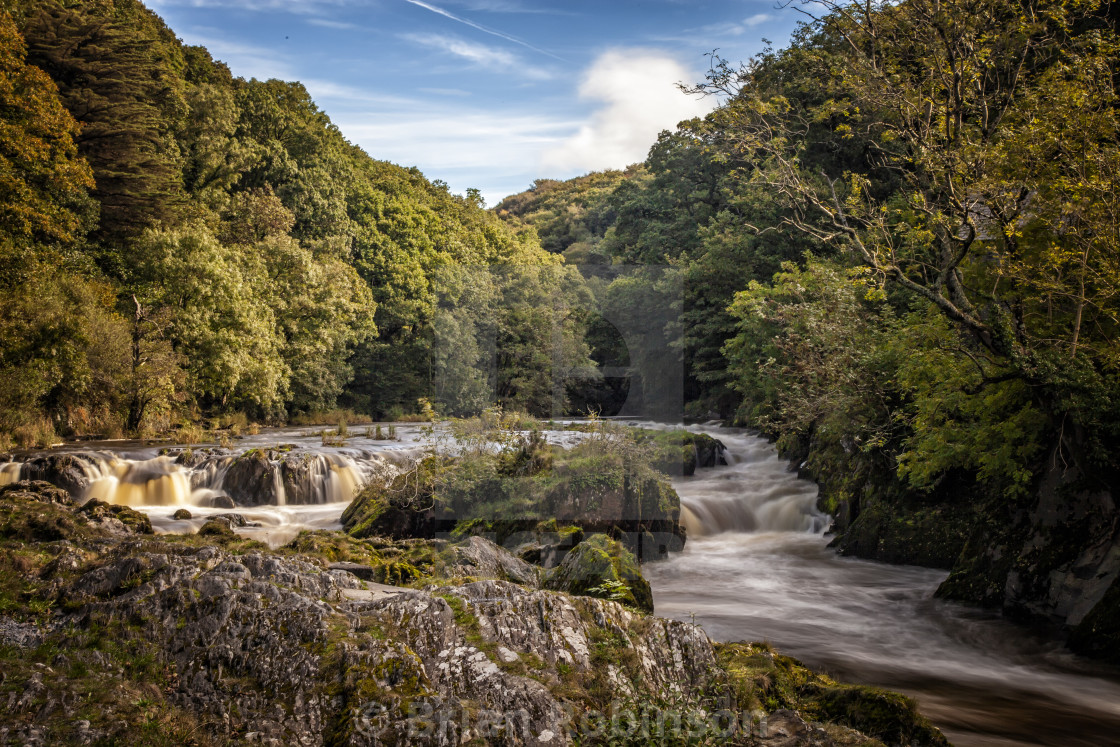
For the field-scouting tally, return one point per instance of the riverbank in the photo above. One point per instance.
(110, 633)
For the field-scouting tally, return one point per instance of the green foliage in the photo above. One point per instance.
(764, 680)
(43, 181)
(241, 255)
(601, 567)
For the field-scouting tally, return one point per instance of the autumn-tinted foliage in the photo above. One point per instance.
(226, 249)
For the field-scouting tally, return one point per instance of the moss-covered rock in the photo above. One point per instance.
(217, 528)
(680, 452)
(36, 511)
(116, 518)
(406, 507)
(761, 679)
(602, 567)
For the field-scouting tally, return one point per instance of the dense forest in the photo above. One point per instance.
(899, 249)
(182, 244)
(894, 240)
(892, 246)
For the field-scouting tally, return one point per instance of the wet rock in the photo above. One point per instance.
(602, 567)
(250, 479)
(220, 501)
(181, 515)
(116, 519)
(71, 472)
(235, 521)
(364, 572)
(481, 558)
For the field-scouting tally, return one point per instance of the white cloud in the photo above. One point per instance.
(329, 24)
(639, 95)
(481, 55)
(245, 60)
(495, 151)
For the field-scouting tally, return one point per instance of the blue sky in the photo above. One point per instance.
(488, 93)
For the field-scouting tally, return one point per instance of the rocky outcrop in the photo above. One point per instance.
(602, 567)
(213, 639)
(593, 494)
(1050, 555)
(71, 472)
(277, 650)
(681, 452)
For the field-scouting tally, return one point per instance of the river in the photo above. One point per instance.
(756, 567)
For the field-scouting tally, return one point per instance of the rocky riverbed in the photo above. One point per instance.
(110, 634)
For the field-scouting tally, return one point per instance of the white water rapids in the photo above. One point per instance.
(756, 567)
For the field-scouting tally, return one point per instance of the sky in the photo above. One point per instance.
(489, 94)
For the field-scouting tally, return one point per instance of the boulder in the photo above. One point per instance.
(250, 479)
(362, 571)
(602, 567)
(481, 558)
(220, 501)
(71, 472)
(116, 519)
(235, 521)
(181, 515)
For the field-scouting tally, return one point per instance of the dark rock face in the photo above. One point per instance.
(1052, 555)
(67, 471)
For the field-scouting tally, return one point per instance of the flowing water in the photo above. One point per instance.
(281, 481)
(757, 567)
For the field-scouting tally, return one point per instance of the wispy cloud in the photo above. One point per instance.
(445, 91)
(509, 6)
(331, 24)
(481, 55)
(638, 93)
(705, 37)
(466, 146)
(480, 27)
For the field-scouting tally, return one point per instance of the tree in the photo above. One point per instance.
(983, 155)
(43, 181)
(112, 64)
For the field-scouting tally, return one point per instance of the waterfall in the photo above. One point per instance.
(9, 472)
(211, 480)
(755, 492)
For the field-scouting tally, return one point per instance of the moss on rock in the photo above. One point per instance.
(763, 680)
(602, 567)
